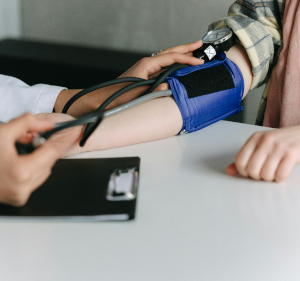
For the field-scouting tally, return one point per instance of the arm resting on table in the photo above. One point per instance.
(153, 120)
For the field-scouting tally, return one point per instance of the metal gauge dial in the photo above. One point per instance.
(217, 36)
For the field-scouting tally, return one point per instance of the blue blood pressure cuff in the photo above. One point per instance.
(207, 93)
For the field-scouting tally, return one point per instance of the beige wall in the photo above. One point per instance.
(137, 25)
(10, 18)
(134, 25)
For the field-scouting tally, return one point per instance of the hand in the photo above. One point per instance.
(151, 67)
(268, 156)
(146, 68)
(20, 175)
(67, 141)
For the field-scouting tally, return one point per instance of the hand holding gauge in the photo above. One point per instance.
(214, 42)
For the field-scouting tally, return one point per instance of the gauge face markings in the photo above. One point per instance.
(216, 34)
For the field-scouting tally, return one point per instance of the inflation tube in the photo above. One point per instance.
(89, 118)
(92, 117)
(97, 87)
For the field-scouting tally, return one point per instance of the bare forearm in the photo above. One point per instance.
(154, 120)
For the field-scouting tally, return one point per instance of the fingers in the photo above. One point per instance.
(285, 167)
(27, 138)
(42, 116)
(259, 158)
(263, 152)
(268, 170)
(242, 158)
(16, 128)
(268, 156)
(183, 49)
(231, 170)
(55, 117)
(174, 57)
(151, 65)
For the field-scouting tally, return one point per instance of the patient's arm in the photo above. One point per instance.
(156, 119)
(153, 120)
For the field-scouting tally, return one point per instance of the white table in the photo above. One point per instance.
(193, 222)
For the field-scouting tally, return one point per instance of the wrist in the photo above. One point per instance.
(63, 98)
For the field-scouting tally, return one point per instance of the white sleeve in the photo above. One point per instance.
(17, 98)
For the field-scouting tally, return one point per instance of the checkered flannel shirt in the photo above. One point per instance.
(257, 25)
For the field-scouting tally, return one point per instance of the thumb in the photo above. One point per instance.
(231, 170)
(16, 128)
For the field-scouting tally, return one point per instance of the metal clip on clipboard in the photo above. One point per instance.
(123, 185)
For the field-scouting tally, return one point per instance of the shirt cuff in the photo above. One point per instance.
(47, 98)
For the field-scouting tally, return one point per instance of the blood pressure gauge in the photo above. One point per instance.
(214, 42)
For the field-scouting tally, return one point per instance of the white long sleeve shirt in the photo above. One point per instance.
(17, 98)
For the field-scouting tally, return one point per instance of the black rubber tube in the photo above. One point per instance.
(96, 87)
(65, 125)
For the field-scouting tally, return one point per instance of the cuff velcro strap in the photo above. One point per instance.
(207, 93)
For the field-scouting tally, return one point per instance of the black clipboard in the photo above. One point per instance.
(84, 189)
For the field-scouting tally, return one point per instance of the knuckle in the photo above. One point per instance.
(267, 140)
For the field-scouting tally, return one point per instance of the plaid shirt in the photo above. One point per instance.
(257, 25)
